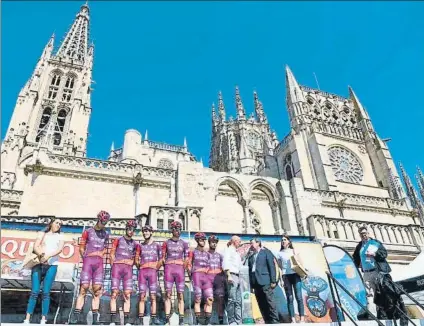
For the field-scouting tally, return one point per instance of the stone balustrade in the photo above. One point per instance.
(283, 144)
(108, 166)
(11, 195)
(335, 197)
(399, 238)
(160, 217)
(339, 130)
(326, 94)
(167, 147)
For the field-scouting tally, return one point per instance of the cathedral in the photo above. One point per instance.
(329, 175)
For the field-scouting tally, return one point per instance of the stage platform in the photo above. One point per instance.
(417, 322)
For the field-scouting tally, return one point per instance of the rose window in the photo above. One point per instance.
(345, 165)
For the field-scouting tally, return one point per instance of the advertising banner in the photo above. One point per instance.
(344, 270)
(316, 292)
(16, 244)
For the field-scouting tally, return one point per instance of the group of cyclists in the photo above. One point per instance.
(203, 266)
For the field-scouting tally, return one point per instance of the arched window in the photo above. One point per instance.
(159, 220)
(182, 219)
(288, 167)
(60, 124)
(254, 140)
(289, 172)
(45, 117)
(54, 86)
(69, 88)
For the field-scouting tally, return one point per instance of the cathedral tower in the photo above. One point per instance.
(240, 145)
(333, 145)
(53, 108)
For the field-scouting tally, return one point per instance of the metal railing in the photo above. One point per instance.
(363, 307)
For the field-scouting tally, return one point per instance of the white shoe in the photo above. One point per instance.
(26, 321)
(112, 324)
(43, 322)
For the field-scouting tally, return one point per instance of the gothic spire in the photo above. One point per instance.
(410, 190)
(259, 110)
(75, 45)
(358, 105)
(420, 181)
(293, 91)
(241, 114)
(214, 117)
(221, 107)
(48, 48)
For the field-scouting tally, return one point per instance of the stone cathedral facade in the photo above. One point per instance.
(331, 174)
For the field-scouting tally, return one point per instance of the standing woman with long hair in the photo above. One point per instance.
(291, 279)
(48, 245)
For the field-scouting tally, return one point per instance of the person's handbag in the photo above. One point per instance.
(297, 267)
(31, 259)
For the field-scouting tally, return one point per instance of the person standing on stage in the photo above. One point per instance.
(122, 260)
(263, 280)
(232, 265)
(93, 245)
(48, 246)
(217, 276)
(292, 281)
(199, 265)
(175, 256)
(371, 256)
(148, 261)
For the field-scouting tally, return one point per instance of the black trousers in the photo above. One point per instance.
(265, 297)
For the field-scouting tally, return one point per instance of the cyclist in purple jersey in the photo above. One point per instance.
(199, 263)
(175, 255)
(148, 260)
(217, 276)
(122, 260)
(92, 248)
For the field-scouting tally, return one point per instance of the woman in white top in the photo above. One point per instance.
(48, 245)
(291, 279)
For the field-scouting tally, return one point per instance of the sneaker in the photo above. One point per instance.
(26, 321)
(112, 324)
(43, 322)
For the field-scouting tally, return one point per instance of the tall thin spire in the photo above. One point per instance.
(259, 110)
(214, 117)
(241, 113)
(75, 45)
(420, 181)
(293, 91)
(221, 107)
(413, 195)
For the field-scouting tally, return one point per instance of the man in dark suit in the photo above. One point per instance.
(263, 280)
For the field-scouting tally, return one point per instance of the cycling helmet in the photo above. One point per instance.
(199, 236)
(103, 217)
(147, 228)
(213, 238)
(176, 225)
(131, 224)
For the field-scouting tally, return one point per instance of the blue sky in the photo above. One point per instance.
(159, 65)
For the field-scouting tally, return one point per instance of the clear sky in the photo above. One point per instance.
(159, 65)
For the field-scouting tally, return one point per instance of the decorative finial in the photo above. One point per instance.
(241, 114)
(221, 107)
